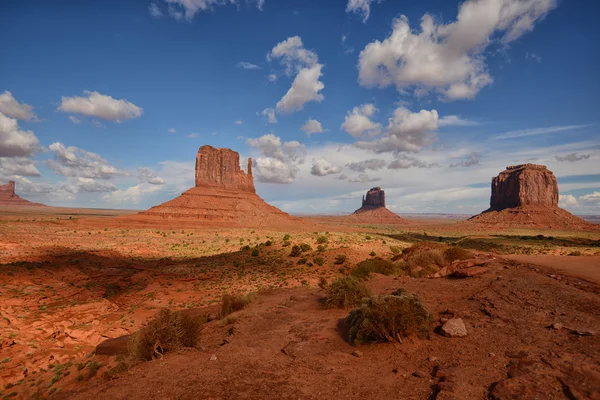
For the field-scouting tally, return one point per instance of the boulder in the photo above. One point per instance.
(454, 327)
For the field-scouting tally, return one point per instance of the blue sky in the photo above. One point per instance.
(105, 103)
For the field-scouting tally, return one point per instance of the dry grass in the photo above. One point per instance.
(346, 291)
(374, 265)
(424, 263)
(168, 331)
(456, 253)
(232, 303)
(389, 318)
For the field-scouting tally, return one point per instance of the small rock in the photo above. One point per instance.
(583, 332)
(454, 328)
(201, 347)
(432, 359)
(357, 353)
(492, 355)
(557, 326)
(213, 357)
(418, 374)
(469, 272)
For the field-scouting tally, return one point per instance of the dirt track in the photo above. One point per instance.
(583, 267)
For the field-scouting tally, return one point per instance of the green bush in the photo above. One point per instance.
(372, 254)
(296, 251)
(575, 253)
(389, 318)
(305, 247)
(322, 239)
(254, 252)
(319, 260)
(301, 261)
(346, 291)
(268, 243)
(377, 265)
(166, 332)
(286, 237)
(321, 248)
(395, 249)
(340, 259)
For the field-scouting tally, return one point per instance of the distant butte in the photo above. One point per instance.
(224, 195)
(373, 209)
(8, 197)
(526, 195)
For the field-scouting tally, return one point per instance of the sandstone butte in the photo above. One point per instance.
(8, 197)
(373, 209)
(224, 195)
(527, 195)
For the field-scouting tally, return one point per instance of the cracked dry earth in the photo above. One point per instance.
(530, 336)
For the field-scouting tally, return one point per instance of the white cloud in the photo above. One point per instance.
(179, 9)
(15, 142)
(358, 123)
(247, 65)
(75, 162)
(322, 167)
(269, 113)
(172, 130)
(193, 135)
(372, 164)
(537, 131)
(304, 64)
(149, 176)
(406, 162)
(278, 161)
(406, 131)
(360, 7)
(347, 49)
(10, 107)
(363, 178)
(79, 185)
(471, 160)
(533, 57)
(586, 204)
(74, 119)
(154, 10)
(312, 126)
(17, 166)
(238, 122)
(131, 195)
(572, 157)
(101, 106)
(455, 120)
(448, 57)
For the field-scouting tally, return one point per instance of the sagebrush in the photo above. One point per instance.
(346, 291)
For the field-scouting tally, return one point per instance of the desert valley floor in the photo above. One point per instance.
(71, 279)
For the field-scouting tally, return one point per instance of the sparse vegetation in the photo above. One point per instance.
(346, 291)
(296, 251)
(319, 260)
(456, 253)
(389, 318)
(340, 259)
(232, 303)
(322, 239)
(374, 265)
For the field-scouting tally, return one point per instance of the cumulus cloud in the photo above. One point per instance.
(448, 58)
(304, 65)
(187, 9)
(269, 114)
(372, 164)
(15, 142)
(75, 162)
(405, 162)
(74, 119)
(10, 107)
(312, 126)
(278, 161)
(406, 131)
(360, 7)
(572, 157)
(323, 167)
(102, 106)
(358, 121)
(149, 176)
(588, 203)
(471, 161)
(154, 10)
(17, 166)
(455, 120)
(247, 65)
(131, 195)
(363, 178)
(88, 185)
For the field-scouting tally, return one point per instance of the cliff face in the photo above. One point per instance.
(8, 190)
(524, 185)
(221, 168)
(8, 197)
(375, 198)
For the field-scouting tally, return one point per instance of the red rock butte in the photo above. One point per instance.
(8, 197)
(373, 209)
(527, 195)
(224, 194)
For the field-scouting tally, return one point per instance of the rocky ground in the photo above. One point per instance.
(69, 283)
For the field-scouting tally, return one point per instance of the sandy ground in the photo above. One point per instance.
(583, 267)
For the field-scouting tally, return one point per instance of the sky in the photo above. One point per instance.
(104, 104)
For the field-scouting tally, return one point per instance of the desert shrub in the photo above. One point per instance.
(322, 239)
(424, 263)
(305, 247)
(575, 253)
(232, 303)
(346, 291)
(296, 251)
(340, 259)
(372, 254)
(319, 260)
(286, 237)
(395, 249)
(376, 265)
(456, 253)
(301, 261)
(421, 247)
(268, 243)
(166, 332)
(388, 318)
(245, 248)
(323, 283)
(286, 243)
(254, 252)
(321, 248)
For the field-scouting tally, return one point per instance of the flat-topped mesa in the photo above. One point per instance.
(221, 168)
(375, 198)
(7, 190)
(524, 185)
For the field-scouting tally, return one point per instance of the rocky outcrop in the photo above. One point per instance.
(373, 209)
(223, 195)
(8, 197)
(221, 168)
(524, 185)
(527, 196)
